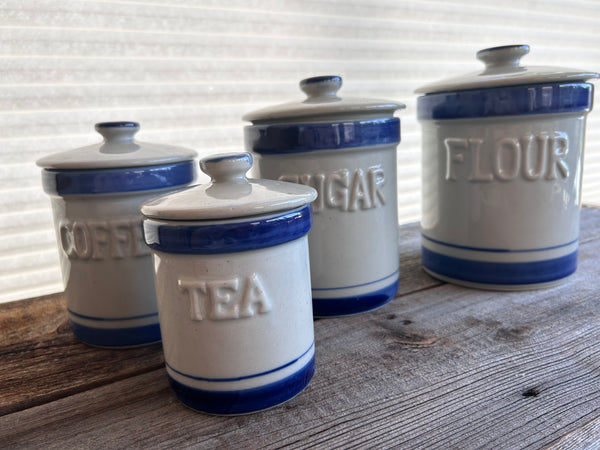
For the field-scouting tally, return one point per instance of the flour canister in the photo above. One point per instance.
(502, 167)
(96, 192)
(233, 286)
(346, 149)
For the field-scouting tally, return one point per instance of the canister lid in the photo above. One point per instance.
(119, 149)
(323, 121)
(322, 102)
(229, 194)
(503, 68)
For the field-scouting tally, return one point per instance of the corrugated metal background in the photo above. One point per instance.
(188, 70)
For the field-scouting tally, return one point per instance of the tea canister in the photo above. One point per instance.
(107, 271)
(233, 285)
(346, 149)
(502, 166)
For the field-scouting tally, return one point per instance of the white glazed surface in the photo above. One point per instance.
(323, 103)
(107, 271)
(229, 194)
(212, 337)
(474, 195)
(502, 68)
(353, 242)
(118, 149)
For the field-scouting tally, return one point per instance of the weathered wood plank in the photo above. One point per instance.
(42, 360)
(35, 338)
(444, 367)
(440, 366)
(586, 437)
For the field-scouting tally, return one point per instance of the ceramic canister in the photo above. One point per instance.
(502, 166)
(346, 149)
(106, 267)
(233, 285)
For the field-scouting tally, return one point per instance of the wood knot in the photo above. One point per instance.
(512, 334)
(409, 339)
(531, 392)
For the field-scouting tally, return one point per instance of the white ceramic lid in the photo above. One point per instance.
(230, 194)
(322, 102)
(502, 68)
(119, 149)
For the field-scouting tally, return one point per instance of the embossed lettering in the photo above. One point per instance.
(531, 157)
(455, 153)
(101, 239)
(232, 298)
(558, 149)
(343, 189)
(507, 159)
(534, 149)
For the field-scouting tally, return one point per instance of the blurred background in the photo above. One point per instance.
(188, 70)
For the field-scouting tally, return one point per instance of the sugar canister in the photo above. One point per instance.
(502, 167)
(106, 267)
(233, 286)
(346, 149)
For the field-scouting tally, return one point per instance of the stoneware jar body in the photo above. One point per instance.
(502, 171)
(234, 297)
(106, 267)
(353, 243)
(346, 150)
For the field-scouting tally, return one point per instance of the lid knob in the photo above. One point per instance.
(122, 131)
(320, 87)
(507, 56)
(227, 167)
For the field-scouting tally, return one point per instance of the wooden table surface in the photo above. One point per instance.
(440, 366)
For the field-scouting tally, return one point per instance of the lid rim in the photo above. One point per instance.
(231, 237)
(525, 99)
(117, 180)
(309, 137)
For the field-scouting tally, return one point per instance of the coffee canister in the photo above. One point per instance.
(502, 166)
(107, 271)
(233, 285)
(346, 149)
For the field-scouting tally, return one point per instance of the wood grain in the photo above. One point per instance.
(438, 367)
(43, 361)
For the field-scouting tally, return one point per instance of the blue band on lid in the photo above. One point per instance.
(252, 234)
(123, 179)
(117, 125)
(550, 98)
(320, 79)
(308, 137)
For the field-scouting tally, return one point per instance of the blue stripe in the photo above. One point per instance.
(330, 307)
(117, 337)
(125, 179)
(109, 319)
(500, 273)
(245, 400)
(498, 250)
(309, 137)
(357, 285)
(256, 233)
(244, 377)
(552, 98)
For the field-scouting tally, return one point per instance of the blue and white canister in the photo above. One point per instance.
(502, 167)
(346, 149)
(107, 271)
(233, 286)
